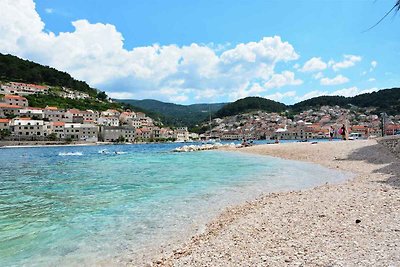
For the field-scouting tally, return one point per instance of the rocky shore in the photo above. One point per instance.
(356, 223)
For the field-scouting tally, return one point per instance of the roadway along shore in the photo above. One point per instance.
(356, 223)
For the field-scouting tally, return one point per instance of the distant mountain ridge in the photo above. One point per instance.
(386, 100)
(175, 114)
(250, 104)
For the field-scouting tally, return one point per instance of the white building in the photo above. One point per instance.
(81, 132)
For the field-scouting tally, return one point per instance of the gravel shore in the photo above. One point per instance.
(356, 223)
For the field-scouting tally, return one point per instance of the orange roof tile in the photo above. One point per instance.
(14, 97)
(74, 110)
(4, 105)
(4, 120)
(32, 108)
(58, 123)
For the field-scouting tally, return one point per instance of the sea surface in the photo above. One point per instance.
(109, 205)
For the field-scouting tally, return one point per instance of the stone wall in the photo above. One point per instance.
(392, 143)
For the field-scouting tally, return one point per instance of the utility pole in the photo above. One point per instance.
(383, 115)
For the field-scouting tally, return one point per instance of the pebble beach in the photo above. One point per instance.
(355, 223)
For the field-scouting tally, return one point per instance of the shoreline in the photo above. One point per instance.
(356, 222)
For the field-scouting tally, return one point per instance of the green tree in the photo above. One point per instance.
(4, 133)
(52, 137)
(120, 139)
(102, 96)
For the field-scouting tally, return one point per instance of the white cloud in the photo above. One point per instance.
(339, 79)
(349, 61)
(95, 53)
(121, 95)
(371, 79)
(373, 65)
(283, 79)
(311, 94)
(314, 64)
(49, 10)
(179, 98)
(279, 96)
(247, 89)
(206, 94)
(352, 91)
(318, 75)
(347, 92)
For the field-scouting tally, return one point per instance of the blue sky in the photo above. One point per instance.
(210, 51)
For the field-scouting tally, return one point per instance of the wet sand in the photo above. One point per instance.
(356, 223)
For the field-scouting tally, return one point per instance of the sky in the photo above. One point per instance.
(210, 51)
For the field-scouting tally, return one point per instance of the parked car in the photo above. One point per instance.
(355, 136)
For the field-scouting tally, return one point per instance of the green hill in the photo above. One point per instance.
(386, 100)
(15, 69)
(250, 104)
(177, 115)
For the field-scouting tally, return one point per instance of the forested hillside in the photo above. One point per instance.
(177, 115)
(250, 104)
(15, 69)
(387, 100)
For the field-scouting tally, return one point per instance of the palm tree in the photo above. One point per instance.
(395, 8)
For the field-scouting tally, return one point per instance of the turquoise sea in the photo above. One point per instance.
(68, 206)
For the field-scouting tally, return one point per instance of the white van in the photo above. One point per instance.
(355, 136)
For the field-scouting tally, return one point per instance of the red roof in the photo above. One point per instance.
(393, 127)
(4, 105)
(14, 97)
(31, 108)
(74, 110)
(358, 127)
(5, 120)
(31, 85)
(58, 123)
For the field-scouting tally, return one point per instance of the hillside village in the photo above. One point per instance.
(20, 121)
(310, 124)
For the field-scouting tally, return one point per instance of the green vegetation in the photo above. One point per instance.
(387, 100)
(43, 100)
(320, 101)
(4, 133)
(15, 69)
(52, 137)
(250, 104)
(120, 139)
(177, 115)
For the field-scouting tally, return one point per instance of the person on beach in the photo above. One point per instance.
(331, 133)
(343, 132)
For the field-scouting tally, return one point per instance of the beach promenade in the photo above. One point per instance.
(356, 223)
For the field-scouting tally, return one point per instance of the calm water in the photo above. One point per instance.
(74, 205)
